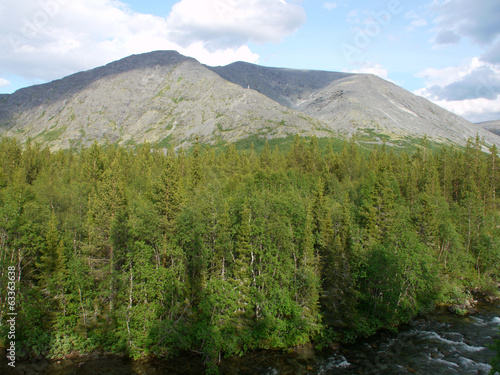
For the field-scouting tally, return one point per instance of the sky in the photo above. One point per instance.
(447, 51)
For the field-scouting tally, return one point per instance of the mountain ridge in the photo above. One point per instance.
(279, 89)
(165, 97)
(73, 83)
(492, 126)
(130, 102)
(349, 109)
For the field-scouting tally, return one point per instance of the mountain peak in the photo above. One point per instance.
(165, 97)
(283, 85)
(147, 60)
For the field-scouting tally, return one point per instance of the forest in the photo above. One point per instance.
(219, 252)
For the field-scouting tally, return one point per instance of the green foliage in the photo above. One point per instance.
(54, 134)
(495, 362)
(146, 253)
(33, 328)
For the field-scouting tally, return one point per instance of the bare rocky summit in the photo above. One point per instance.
(172, 99)
(355, 103)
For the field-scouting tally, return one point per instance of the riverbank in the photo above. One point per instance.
(438, 343)
(468, 307)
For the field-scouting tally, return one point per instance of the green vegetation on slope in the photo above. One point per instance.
(143, 253)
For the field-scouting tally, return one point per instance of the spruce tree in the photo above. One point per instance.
(243, 267)
(309, 273)
(265, 156)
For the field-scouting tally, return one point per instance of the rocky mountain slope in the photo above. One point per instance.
(169, 98)
(354, 102)
(492, 126)
(153, 97)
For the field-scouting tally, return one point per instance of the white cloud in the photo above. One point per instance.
(49, 42)
(48, 39)
(473, 80)
(416, 20)
(473, 19)
(447, 76)
(232, 23)
(220, 57)
(330, 5)
(4, 82)
(419, 23)
(477, 19)
(370, 68)
(474, 110)
(470, 90)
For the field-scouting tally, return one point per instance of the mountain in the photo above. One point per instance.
(492, 126)
(172, 99)
(159, 96)
(288, 87)
(354, 102)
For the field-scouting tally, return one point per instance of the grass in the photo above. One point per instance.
(76, 143)
(285, 143)
(170, 125)
(53, 135)
(221, 129)
(178, 99)
(130, 143)
(43, 114)
(162, 92)
(408, 144)
(165, 142)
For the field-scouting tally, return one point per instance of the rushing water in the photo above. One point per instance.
(440, 344)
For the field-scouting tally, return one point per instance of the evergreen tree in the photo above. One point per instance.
(52, 264)
(308, 291)
(196, 164)
(493, 174)
(223, 245)
(243, 274)
(138, 252)
(265, 156)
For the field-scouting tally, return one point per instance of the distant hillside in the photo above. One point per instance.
(289, 87)
(354, 102)
(492, 126)
(168, 98)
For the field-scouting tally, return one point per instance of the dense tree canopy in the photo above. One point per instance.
(149, 253)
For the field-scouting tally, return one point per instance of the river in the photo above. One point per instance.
(438, 344)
